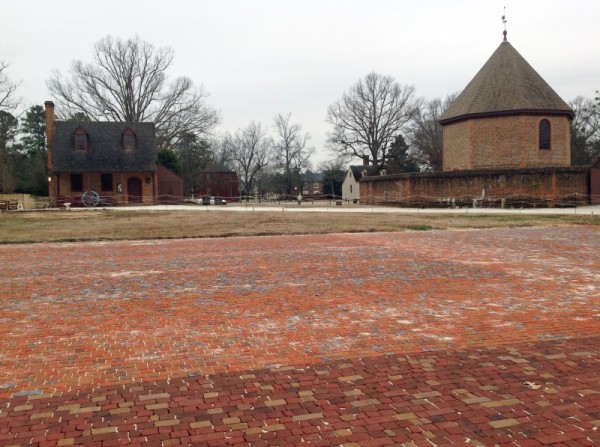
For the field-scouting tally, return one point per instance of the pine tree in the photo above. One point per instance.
(33, 128)
(399, 158)
(9, 126)
(33, 163)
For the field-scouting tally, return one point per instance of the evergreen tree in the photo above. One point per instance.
(34, 161)
(169, 159)
(33, 128)
(332, 182)
(9, 127)
(194, 156)
(333, 177)
(399, 158)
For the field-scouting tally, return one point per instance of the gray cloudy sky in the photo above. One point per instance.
(258, 58)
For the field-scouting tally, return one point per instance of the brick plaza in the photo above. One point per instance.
(469, 338)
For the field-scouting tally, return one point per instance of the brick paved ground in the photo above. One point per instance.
(441, 338)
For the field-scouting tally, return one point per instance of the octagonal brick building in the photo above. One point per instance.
(506, 117)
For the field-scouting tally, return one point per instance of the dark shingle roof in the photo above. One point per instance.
(505, 85)
(105, 152)
(357, 171)
(309, 176)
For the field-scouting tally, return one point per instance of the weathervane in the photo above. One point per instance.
(504, 21)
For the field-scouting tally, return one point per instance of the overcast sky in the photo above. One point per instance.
(258, 58)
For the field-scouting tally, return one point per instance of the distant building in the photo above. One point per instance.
(506, 117)
(312, 184)
(170, 185)
(351, 184)
(95, 163)
(506, 142)
(218, 182)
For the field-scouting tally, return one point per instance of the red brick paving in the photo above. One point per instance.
(466, 338)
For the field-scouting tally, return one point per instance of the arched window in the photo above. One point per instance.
(128, 140)
(544, 137)
(81, 140)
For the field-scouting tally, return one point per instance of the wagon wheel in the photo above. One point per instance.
(90, 198)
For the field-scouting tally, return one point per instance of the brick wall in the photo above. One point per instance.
(505, 142)
(170, 185)
(91, 181)
(543, 186)
(456, 146)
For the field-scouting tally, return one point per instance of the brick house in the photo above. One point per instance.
(221, 183)
(506, 140)
(113, 162)
(506, 117)
(312, 184)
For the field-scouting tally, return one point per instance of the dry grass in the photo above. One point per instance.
(25, 227)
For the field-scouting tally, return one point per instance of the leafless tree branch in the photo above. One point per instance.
(585, 130)
(250, 150)
(368, 117)
(291, 148)
(8, 101)
(127, 81)
(426, 136)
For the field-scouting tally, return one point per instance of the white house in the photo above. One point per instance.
(351, 185)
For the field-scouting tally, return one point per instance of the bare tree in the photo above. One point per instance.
(220, 157)
(585, 130)
(250, 150)
(368, 117)
(8, 101)
(128, 82)
(426, 136)
(291, 148)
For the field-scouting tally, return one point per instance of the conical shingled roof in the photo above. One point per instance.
(505, 85)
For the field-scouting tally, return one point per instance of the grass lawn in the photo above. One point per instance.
(98, 225)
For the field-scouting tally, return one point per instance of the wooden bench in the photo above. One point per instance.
(9, 205)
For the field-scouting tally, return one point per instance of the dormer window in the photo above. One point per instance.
(544, 137)
(128, 140)
(81, 140)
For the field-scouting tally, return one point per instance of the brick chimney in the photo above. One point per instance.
(49, 105)
(365, 160)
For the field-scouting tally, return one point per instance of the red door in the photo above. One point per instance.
(134, 190)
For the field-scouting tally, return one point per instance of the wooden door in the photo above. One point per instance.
(134, 190)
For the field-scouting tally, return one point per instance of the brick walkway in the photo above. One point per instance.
(429, 338)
